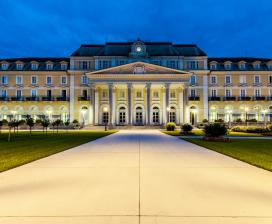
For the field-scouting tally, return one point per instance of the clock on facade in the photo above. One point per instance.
(138, 49)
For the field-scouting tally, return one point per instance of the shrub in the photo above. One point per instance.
(252, 120)
(251, 129)
(219, 121)
(215, 130)
(186, 128)
(205, 121)
(171, 126)
(238, 120)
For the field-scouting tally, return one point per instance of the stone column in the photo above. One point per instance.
(72, 97)
(165, 113)
(205, 98)
(92, 102)
(96, 106)
(181, 106)
(148, 115)
(114, 106)
(129, 86)
(110, 103)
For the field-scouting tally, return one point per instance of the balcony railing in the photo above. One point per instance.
(229, 98)
(32, 98)
(47, 98)
(259, 98)
(214, 98)
(62, 98)
(83, 98)
(4, 98)
(244, 98)
(16, 98)
(194, 98)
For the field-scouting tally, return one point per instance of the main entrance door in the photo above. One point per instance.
(139, 116)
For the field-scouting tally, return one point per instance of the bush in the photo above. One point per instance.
(219, 121)
(205, 121)
(252, 120)
(251, 129)
(171, 126)
(238, 120)
(215, 130)
(186, 128)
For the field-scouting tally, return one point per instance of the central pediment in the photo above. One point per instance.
(139, 68)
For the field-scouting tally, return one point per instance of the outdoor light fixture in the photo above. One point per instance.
(105, 110)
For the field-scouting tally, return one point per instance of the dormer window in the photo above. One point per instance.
(63, 66)
(49, 66)
(257, 66)
(213, 66)
(34, 66)
(19, 66)
(242, 66)
(4, 66)
(228, 66)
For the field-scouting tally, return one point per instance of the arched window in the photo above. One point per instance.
(84, 111)
(4, 113)
(156, 115)
(139, 116)
(193, 115)
(257, 111)
(228, 113)
(172, 114)
(213, 113)
(122, 115)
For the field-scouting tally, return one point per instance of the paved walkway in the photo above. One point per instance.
(136, 177)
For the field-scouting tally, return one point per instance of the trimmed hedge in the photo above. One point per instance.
(171, 126)
(186, 128)
(250, 129)
(215, 130)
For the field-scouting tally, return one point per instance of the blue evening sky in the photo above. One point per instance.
(230, 28)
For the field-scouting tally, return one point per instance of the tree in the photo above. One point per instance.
(45, 123)
(57, 123)
(67, 124)
(2, 123)
(30, 123)
(11, 124)
(75, 123)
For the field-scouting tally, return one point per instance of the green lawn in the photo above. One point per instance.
(24, 148)
(257, 152)
(200, 133)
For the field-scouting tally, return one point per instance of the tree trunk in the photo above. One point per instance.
(9, 134)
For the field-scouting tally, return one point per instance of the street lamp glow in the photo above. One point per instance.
(168, 109)
(246, 109)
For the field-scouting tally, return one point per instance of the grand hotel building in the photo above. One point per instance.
(136, 83)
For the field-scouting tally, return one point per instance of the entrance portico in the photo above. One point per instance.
(153, 96)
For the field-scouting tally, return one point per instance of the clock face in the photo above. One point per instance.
(138, 49)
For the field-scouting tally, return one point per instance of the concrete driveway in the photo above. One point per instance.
(140, 176)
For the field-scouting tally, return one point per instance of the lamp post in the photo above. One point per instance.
(105, 110)
(265, 113)
(168, 111)
(246, 110)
